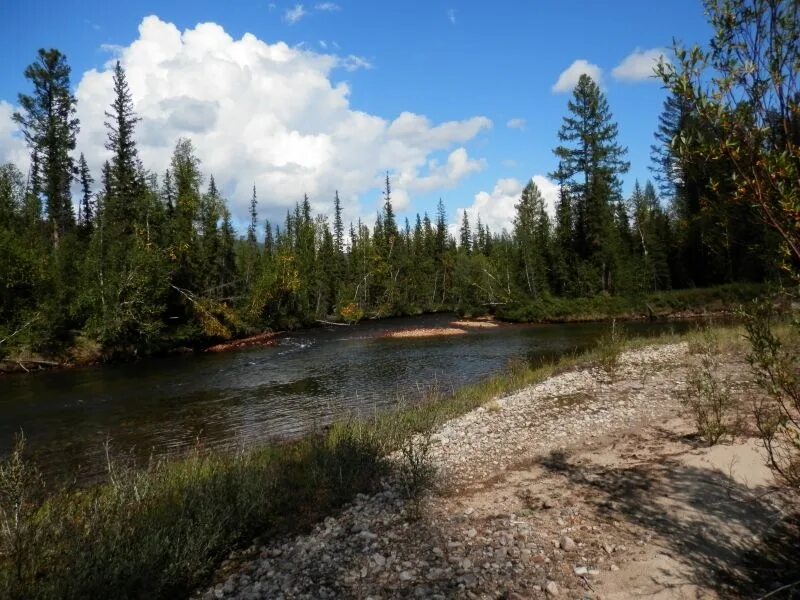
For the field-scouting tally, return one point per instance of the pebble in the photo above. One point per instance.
(552, 588)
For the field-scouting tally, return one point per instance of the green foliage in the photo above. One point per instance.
(709, 399)
(609, 349)
(740, 126)
(158, 532)
(154, 264)
(775, 360)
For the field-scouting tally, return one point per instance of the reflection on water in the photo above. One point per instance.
(241, 398)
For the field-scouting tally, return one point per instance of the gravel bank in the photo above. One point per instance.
(525, 511)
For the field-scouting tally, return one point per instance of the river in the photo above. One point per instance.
(161, 406)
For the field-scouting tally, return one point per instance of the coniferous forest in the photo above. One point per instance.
(142, 261)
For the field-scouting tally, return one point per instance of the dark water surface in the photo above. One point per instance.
(159, 406)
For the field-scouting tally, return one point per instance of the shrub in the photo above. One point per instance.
(609, 349)
(709, 398)
(775, 360)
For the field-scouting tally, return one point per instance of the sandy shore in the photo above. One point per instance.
(424, 332)
(583, 486)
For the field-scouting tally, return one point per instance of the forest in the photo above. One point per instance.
(142, 262)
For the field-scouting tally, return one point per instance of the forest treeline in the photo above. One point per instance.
(142, 261)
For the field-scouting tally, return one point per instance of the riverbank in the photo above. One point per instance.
(512, 470)
(589, 484)
(718, 302)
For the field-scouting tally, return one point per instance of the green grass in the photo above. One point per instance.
(161, 531)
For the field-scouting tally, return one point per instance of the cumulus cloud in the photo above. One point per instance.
(437, 177)
(516, 124)
(274, 117)
(639, 65)
(12, 146)
(569, 77)
(498, 207)
(293, 15)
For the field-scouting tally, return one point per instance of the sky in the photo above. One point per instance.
(456, 100)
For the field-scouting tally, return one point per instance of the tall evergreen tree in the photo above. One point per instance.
(591, 161)
(49, 125)
(465, 233)
(86, 181)
(389, 221)
(532, 239)
(251, 230)
(122, 204)
(338, 226)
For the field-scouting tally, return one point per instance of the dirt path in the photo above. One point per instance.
(587, 485)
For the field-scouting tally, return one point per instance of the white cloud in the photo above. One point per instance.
(516, 124)
(273, 117)
(451, 15)
(549, 190)
(498, 207)
(12, 146)
(639, 65)
(354, 63)
(328, 7)
(569, 77)
(323, 44)
(437, 177)
(293, 15)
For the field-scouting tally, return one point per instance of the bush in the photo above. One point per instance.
(609, 349)
(159, 532)
(709, 399)
(775, 360)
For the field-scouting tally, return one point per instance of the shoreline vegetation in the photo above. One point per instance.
(161, 530)
(696, 303)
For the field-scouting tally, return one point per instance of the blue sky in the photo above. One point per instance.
(449, 62)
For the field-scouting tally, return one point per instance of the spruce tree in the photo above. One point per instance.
(86, 181)
(123, 203)
(591, 162)
(465, 233)
(49, 125)
(251, 230)
(338, 226)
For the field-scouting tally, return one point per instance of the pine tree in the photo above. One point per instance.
(591, 162)
(122, 204)
(441, 228)
(389, 221)
(532, 239)
(338, 226)
(251, 230)
(49, 125)
(86, 192)
(465, 233)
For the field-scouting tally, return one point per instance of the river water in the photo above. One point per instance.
(160, 406)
